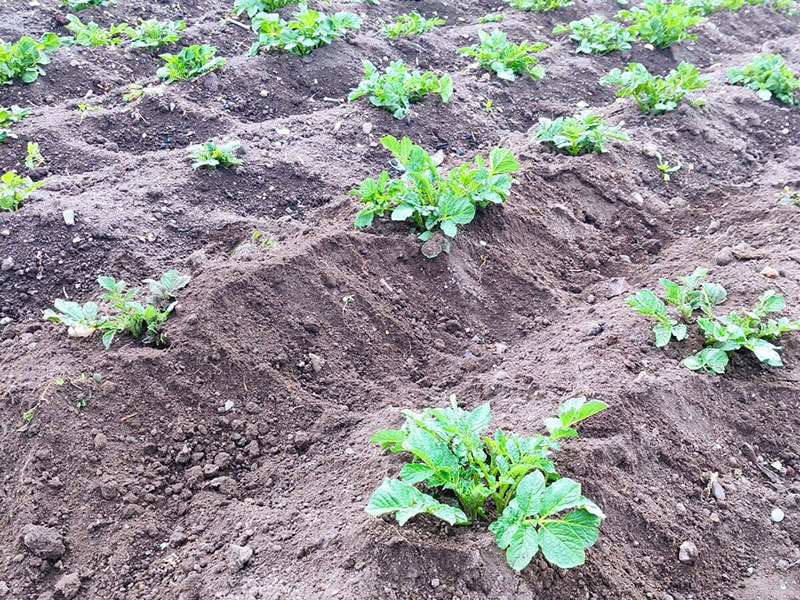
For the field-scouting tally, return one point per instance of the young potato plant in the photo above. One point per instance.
(538, 6)
(666, 168)
(506, 59)
(307, 31)
(412, 23)
(77, 5)
(398, 87)
(431, 199)
(770, 77)
(723, 334)
(655, 94)
(14, 190)
(495, 17)
(211, 155)
(595, 35)
(34, 158)
(253, 7)
(534, 507)
(25, 59)
(662, 24)
(788, 196)
(91, 34)
(143, 319)
(9, 116)
(582, 134)
(152, 33)
(192, 61)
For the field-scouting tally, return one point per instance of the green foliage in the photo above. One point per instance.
(25, 59)
(655, 94)
(538, 5)
(723, 334)
(307, 31)
(211, 155)
(152, 33)
(14, 190)
(449, 453)
(253, 7)
(662, 24)
(495, 17)
(409, 24)
(432, 199)
(769, 76)
(190, 62)
(788, 196)
(595, 35)
(398, 87)
(77, 5)
(581, 134)
(506, 59)
(666, 168)
(91, 34)
(143, 319)
(34, 158)
(9, 116)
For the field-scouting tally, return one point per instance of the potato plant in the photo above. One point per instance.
(534, 508)
(770, 77)
(409, 24)
(253, 7)
(211, 155)
(14, 190)
(77, 5)
(655, 94)
(662, 24)
(398, 87)
(495, 17)
(91, 34)
(752, 330)
(127, 310)
(33, 157)
(307, 31)
(581, 134)
(152, 33)
(788, 196)
(595, 35)
(431, 199)
(25, 58)
(538, 5)
(190, 62)
(9, 116)
(506, 59)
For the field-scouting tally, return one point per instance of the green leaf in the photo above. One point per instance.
(529, 493)
(663, 334)
(561, 544)
(523, 546)
(766, 352)
(575, 410)
(559, 496)
(502, 161)
(406, 501)
(412, 473)
(585, 525)
(389, 438)
(428, 449)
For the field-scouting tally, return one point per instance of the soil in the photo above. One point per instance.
(185, 460)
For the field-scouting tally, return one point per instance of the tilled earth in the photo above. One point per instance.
(235, 465)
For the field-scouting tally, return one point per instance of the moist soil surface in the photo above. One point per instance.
(235, 439)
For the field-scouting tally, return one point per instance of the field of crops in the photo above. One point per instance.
(400, 300)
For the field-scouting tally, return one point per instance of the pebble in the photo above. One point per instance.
(366, 127)
(69, 217)
(617, 286)
(776, 515)
(7, 264)
(724, 257)
(500, 348)
(770, 272)
(594, 328)
(239, 557)
(680, 508)
(687, 553)
(717, 490)
(69, 586)
(44, 542)
(435, 583)
(4, 589)
(100, 441)
(317, 362)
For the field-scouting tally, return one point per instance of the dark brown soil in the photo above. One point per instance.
(152, 481)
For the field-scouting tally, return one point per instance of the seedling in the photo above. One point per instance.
(723, 335)
(14, 190)
(661, 24)
(430, 199)
(25, 59)
(450, 457)
(85, 109)
(258, 239)
(77, 5)
(192, 61)
(34, 157)
(655, 94)
(595, 35)
(665, 168)
(79, 383)
(307, 31)
(492, 18)
(582, 134)
(152, 33)
(91, 34)
(488, 106)
(769, 76)
(398, 87)
(9, 116)
(412, 23)
(134, 92)
(506, 59)
(210, 154)
(538, 6)
(788, 196)
(126, 312)
(253, 7)
(347, 300)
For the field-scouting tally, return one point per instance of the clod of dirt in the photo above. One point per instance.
(617, 286)
(44, 542)
(100, 441)
(68, 586)
(239, 557)
(688, 553)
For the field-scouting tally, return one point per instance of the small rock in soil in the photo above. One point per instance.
(44, 542)
(718, 490)
(69, 217)
(680, 508)
(7, 264)
(239, 557)
(688, 553)
(100, 441)
(500, 348)
(776, 515)
(724, 257)
(617, 286)
(4, 589)
(770, 272)
(594, 328)
(317, 362)
(69, 586)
